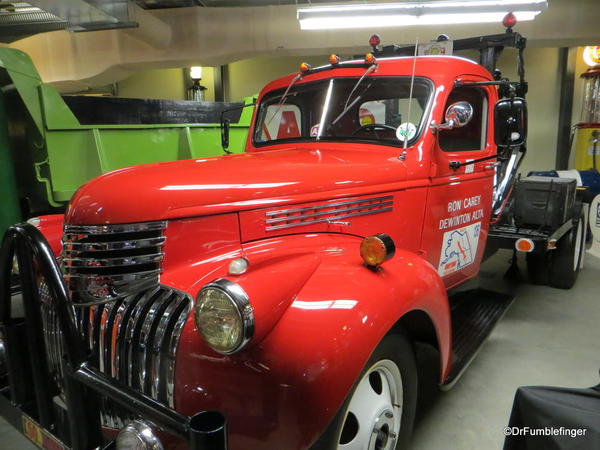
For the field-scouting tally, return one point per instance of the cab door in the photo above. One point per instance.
(459, 200)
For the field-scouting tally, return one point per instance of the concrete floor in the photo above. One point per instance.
(548, 337)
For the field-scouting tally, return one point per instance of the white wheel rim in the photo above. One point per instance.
(578, 244)
(373, 417)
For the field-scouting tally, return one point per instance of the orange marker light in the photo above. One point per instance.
(376, 249)
(334, 59)
(370, 58)
(304, 67)
(524, 245)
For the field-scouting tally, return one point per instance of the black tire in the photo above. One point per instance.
(397, 349)
(567, 258)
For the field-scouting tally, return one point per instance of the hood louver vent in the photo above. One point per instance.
(328, 212)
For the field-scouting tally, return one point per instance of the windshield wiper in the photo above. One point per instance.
(348, 107)
(284, 97)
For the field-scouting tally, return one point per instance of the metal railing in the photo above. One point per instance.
(28, 388)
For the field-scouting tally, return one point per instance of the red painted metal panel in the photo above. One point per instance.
(51, 227)
(331, 312)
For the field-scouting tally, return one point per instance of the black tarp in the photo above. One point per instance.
(558, 414)
(135, 111)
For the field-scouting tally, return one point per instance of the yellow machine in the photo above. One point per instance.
(587, 145)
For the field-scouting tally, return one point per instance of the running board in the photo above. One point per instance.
(475, 313)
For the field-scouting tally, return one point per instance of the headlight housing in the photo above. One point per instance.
(224, 316)
(138, 435)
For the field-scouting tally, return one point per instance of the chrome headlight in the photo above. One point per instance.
(224, 316)
(138, 435)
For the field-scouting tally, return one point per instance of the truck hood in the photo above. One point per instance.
(232, 183)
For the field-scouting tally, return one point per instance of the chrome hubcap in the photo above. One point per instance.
(374, 413)
(383, 429)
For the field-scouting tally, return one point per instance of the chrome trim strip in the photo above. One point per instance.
(113, 245)
(328, 205)
(328, 219)
(118, 343)
(157, 363)
(102, 344)
(305, 216)
(115, 228)
(123, 277)
(183, 314)
(133, 328)
(112, 262)
(153, 317)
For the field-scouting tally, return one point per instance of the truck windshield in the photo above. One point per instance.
(377, 111)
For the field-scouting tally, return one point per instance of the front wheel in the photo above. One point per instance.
(379, 412)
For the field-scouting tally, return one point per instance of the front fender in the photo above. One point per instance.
(283, 391)
(51, 227)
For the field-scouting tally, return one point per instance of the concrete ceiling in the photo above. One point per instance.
(210, 36)
(21, 19)
(155, 4)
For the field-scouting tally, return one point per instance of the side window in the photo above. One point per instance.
(281, 122)
(473, 135)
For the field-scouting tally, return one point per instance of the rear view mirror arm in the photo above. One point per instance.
(457, 164)
(225, 123)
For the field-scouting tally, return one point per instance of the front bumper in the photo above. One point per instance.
(27, 397)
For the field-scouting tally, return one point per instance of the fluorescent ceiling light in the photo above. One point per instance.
(416, 13)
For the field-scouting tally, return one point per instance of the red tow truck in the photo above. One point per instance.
(274, 299)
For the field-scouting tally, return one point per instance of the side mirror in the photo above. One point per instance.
(225, 133)
(510, 122)
(458, 115)
(225, 123)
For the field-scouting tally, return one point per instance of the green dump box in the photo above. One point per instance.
(52, 144)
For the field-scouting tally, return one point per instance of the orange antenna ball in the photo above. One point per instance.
(370, 58)
(334, 59)
(304, 67)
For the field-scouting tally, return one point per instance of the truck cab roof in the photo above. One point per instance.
(440, 69)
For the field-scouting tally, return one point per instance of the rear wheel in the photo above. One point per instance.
(378, 414)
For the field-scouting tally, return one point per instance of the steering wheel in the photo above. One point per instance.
(373, 126)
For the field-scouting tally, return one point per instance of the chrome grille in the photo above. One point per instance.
(107, 262)
(327, 212)
(52, 335)
(134, 339)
